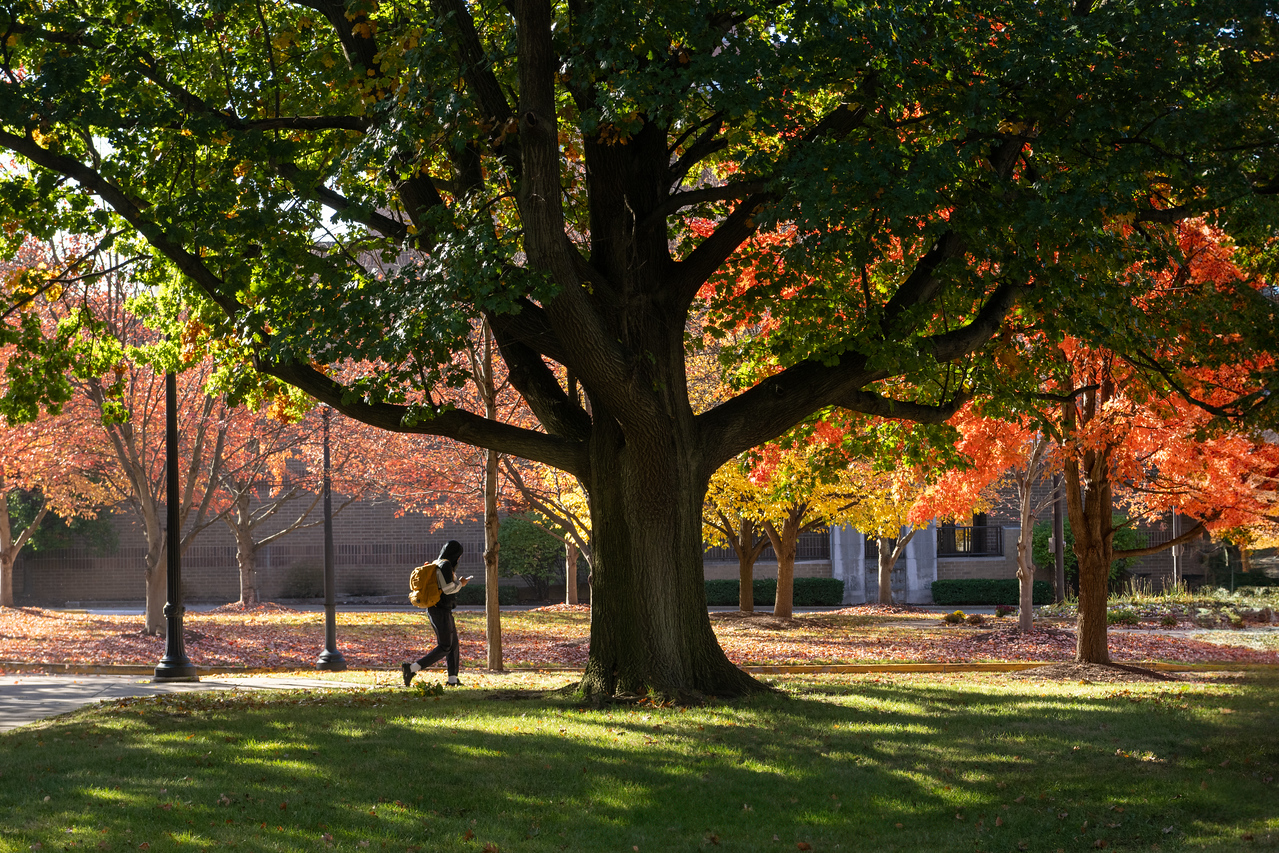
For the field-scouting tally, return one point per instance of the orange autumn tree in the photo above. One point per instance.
(50, 444)
(1178, 426)
(991, 452)
(57, 458)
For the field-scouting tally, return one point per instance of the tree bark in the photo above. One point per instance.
(482, 376)
(784, 543)
(746, 555)
(157, 583)
(887, 559)
(1025, 580)
(570, 572)
(1059, 542)
(11, 546)
(492, 607)
(1089, 504)
(246, 550)
(649, 625)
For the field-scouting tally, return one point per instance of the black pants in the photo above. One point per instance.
(446, 644)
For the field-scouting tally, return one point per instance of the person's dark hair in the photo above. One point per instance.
(450, 552)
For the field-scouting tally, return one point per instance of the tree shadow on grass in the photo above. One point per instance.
(954, 762)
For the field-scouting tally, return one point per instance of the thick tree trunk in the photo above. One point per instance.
(8, 554)
(492, 607)
(887, 559)
(1089, 504)
(1059, 541)
(649, 625)
(1025, 585)
(570, 572)
(247, 559)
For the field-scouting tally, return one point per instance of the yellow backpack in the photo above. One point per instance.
(424, 585)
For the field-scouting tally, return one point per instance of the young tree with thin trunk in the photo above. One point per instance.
(727, 520)
(133, 423)
(882, 507)
(992, 452)
(784, 493)
(542, 164)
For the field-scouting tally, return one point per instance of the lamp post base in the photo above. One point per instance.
(175, 672)
(331, 660)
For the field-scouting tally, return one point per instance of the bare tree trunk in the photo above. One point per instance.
(1059, 541)
(7, 559)
(570, 572)
(784, 546)
(157, 583)
(887, 559)
(1089, 503)
(746, 576)
(11, 547)
(8, 554)
(642, 642)
(246, 552)
(482, 374)
(1026, 532)
(492, 608)
(1026, 580)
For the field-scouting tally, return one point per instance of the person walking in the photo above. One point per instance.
(441, 616)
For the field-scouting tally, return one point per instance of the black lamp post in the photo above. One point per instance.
(174, 666)
(330, 659)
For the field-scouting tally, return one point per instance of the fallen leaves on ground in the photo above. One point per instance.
(273, 636)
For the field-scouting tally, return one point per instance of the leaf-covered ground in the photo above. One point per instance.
(278, 637)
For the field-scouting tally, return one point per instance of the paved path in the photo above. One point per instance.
(27, 698)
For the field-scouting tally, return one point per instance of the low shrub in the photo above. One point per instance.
(807, 592)
(1002, 610)
(955, 618)
(975, 619)
(1168, 621)
(1122, 616)
(987, 591)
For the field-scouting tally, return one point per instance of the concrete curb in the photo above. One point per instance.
(992, 667)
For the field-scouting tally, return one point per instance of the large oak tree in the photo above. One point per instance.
(538, 164)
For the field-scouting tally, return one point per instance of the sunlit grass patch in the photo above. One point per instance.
(973, 761)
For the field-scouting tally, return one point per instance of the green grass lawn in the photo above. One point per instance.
(970, 762)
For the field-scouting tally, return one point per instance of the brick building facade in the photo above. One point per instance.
(376, 548)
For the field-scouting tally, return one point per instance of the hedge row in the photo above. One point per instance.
(987, 591)
(474, 595)
(808, 592)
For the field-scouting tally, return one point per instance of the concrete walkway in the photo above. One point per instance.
(27, 698)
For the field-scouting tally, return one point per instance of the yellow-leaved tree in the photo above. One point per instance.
(882, 511)
(784, 490)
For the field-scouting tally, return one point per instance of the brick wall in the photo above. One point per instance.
(374, 551)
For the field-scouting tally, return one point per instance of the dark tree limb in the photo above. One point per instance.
(451, 423)
(678, 201)
(1193, 533)
(539, 387)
